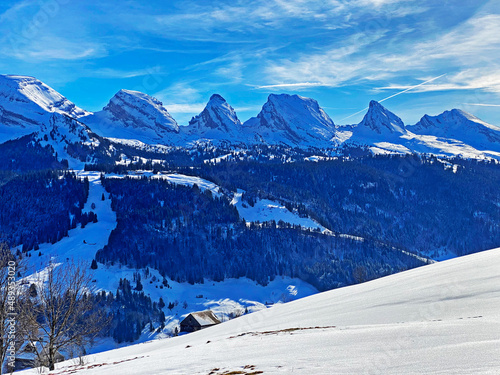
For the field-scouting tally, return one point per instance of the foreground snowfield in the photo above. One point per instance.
(439, 319)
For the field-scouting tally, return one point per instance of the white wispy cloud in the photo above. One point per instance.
(50, 47)
(296, 86)
(470, 79)
(470, 51)
(482, 104)
(117, 73)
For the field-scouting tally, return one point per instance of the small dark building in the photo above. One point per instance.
(30, 357)
(199, 320)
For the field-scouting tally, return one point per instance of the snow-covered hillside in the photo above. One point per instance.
(22, 91)
(381, 122)
(440, 319)
(226, 298)
(262, 211)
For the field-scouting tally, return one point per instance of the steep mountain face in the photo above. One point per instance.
(453, 133)
(28, 106)
(293, 120)
(379, 123)
(218, 121)
(462, 126)
(19, 92)
(133, 115)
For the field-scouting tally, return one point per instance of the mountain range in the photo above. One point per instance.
(28, 105)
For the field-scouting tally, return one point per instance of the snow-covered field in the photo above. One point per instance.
(267, 210)
(439, 319)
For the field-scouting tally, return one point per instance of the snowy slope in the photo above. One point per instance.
(28, 105)
(292, 120)
(262, 211)
(379, 121)
(454, 133)
(28, 92)
(134, 115)
(217, 122)
(267, 210)
(462, 126)
(82, 244)
(440, 319)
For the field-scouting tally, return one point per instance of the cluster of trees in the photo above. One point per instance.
(189, 235)
(26, 154)
(106, 155)
(415, 202)
(131, 311)
(37, 207)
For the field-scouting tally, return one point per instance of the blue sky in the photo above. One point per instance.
(342, 53)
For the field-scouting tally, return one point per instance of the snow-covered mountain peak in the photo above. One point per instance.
(292, 118)
(460, 125)
(381, 121)
(216, 98)
(25, 94)
(134, 115)
(137, 109)
(217, 121)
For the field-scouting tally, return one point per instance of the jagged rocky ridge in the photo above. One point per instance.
(29, 106)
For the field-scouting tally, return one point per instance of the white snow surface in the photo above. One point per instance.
(28, 105)
(442, 318)
(81, 244)
(461, 126)
(218, 121)
(380, 121)
(452, 133)
(29, 91)
(293, 120)
(135, 116)
(267, 210)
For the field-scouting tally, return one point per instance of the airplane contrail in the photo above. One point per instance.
(396, 94)
(483, 105)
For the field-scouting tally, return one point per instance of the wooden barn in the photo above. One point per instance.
(199, 320)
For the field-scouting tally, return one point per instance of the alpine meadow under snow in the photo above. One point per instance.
(440, 319)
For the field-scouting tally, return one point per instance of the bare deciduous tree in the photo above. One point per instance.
(63, 314)
(10, 341)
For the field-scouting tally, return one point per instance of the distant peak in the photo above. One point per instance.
(130, 92)
(272, 97)
(217, 97)
(137, 110)
(26, 89)
(133, 93)
(381, 121)
(218, 116)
